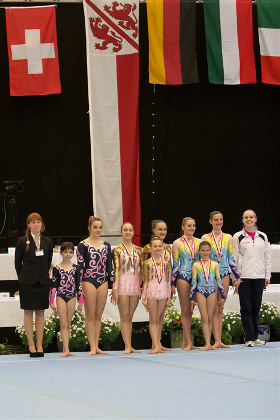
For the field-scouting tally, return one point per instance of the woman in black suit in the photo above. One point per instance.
(33, 258)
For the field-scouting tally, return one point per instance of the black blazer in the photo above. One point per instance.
(31, 269)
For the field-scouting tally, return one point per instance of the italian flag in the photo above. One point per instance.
(269, 36)
(229, 41)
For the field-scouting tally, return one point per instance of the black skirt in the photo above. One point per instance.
(34, 297)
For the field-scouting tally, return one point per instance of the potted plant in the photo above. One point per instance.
(48, 335)
(172, 324)
(269, 315)
(109, 332)
(232, 325)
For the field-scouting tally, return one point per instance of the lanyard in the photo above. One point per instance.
(131, 256)
(204, 271)
(165, 252)
(159, 273)
(192, 251)
(216, 243)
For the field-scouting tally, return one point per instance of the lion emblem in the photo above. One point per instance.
(121, 13)
(102, 31)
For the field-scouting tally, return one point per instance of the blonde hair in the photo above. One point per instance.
(31, 218)
(156, 222)
(255, 214)
(185, 219)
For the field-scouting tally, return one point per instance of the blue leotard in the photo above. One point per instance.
(202, 286)
(183, 260)
(226, 255)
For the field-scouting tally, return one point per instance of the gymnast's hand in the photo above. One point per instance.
(222, 302)
(144, 301)
(54, 308)
(114, 296)
(173, 291)
(236, 284)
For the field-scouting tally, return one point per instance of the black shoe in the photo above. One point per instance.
(33, 353)
(40, 354)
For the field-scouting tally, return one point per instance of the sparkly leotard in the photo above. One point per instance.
(225, 252)
(66, 283)
(127, 275)
(146, 254)
(152, 287)
(183, 260)
(96, 264)
(203, 284)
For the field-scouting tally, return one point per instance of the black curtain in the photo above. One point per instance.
(214, 147)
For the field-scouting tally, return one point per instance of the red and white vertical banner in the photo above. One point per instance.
(113, 85)
(32, 51)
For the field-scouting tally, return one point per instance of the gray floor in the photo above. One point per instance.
(235, 383)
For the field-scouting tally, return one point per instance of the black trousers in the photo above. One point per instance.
(250, 298)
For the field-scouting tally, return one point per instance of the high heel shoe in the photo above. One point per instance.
(33, 353)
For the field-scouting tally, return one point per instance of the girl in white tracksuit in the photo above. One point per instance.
(252, 254)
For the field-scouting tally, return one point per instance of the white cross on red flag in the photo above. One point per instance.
(32, 51)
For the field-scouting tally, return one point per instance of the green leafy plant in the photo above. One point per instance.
(172, 318)
(110, 330)
(78, 337)
(48, 334)
(269, 314)
(232, 324)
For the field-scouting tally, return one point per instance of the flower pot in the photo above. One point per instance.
(264, 332)
(59, 345)
(237, 339)
(107, 346)
(176, 338)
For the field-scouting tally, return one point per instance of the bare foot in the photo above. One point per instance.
(135, 351)
(224, 346)
(98, 351)
(66, 354)
(156, 350)
(187, 348)
(164, 348)
(184, 345)
(194, 348)
(206, 348)
(214, 348)
(92, 353)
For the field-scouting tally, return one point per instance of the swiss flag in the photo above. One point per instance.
(32, 50)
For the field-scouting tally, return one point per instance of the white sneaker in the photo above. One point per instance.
(250, 344)
(259, 342)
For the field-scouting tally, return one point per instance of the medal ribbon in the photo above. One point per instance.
(165, 252)
(192, 251)
(131, 256)
(216, 243)
(204, 271)
(159, 277)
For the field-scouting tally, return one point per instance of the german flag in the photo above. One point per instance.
(172, 41)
